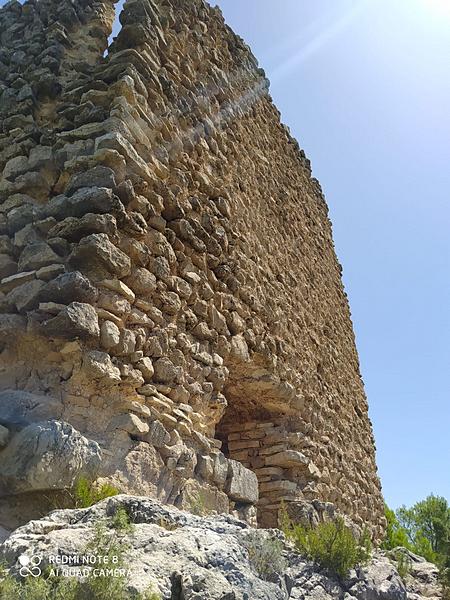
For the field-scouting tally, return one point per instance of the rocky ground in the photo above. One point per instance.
(189, 557)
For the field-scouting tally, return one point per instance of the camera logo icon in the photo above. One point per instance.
(30, 565)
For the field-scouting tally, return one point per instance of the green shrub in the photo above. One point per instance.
(403, 563)
(198, 505)
(265, 554)
(121, 521)
(444, 577)
(85, 493)
(94, 588)
(332, 546)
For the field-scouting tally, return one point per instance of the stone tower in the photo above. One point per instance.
(172, 316)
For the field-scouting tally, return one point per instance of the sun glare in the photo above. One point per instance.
(439, 7)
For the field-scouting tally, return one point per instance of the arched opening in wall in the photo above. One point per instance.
(254, 431)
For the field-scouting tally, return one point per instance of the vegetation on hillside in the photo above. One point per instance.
(332, 546)
(85, 493)
(425, 530)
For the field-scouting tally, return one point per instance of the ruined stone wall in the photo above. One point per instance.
(172, 316)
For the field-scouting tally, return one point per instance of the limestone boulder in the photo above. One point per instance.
(141, 281)
(19, 408)
(25, 297)
(74, 228)
(109, 335)
(49, 455)
(165, 371)
(83, 201)
(157, 435)
(379, 580)
(287, 459)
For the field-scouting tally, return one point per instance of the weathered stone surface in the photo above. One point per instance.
(165, 371)
(142, 282)
(9, 283)
(96, 253)
(10, 327)
(76, 320)
(204, 557)
(423, 577)
(115, 285)
(46, 455)
(99, 176)
(109, 335)
(288, 458)
(4, 436)
(26, 296)
(242, 484)
(130, 423)
(37, 255)
(19, 408)
(378, 581)
(8, 266)
(98, 365)
(49, 272)
(73, 228)
(157, 435)
(145, 366)
(69, 287)
(83, 201)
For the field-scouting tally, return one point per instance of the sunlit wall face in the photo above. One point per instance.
(364, 86)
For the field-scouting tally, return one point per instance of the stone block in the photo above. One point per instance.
(69, 287)
(145, 366)
(96, 253)
(241, 484)
(47, 455)
(109, 335)
(12, 281)
(99, 176)
(37, 255)
(98, 365)
(130, 423)
(157, 435)
(287, 459)
(78, 320)
(25, 297)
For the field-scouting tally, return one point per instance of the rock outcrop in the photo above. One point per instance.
(187, 557)
(168, 283)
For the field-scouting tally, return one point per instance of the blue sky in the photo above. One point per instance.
(364, 86)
